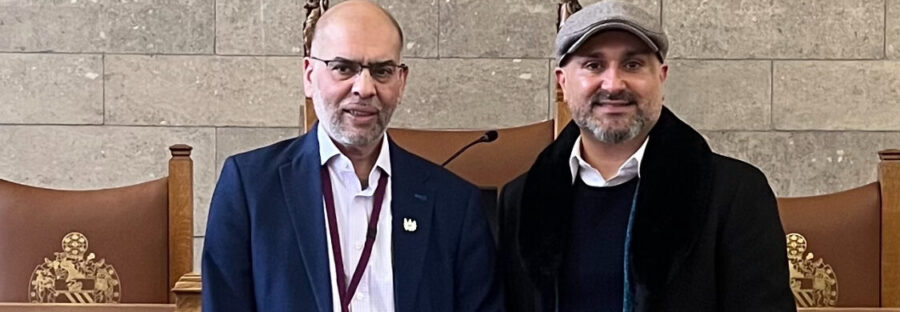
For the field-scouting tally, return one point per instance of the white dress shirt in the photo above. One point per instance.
(353, 205)
(592, 177)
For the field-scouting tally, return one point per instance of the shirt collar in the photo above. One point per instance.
(631, 168)
(328, 150)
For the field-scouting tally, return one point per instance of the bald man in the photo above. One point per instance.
(341, 218)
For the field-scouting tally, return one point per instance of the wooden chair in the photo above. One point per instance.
(488, 165)
(121, 245)
(844, 248)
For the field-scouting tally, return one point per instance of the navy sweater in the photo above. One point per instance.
(592, 274)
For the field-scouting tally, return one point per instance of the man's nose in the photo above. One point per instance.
(364, 84)
(611, 81)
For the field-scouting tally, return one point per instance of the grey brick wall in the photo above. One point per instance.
(803, 89)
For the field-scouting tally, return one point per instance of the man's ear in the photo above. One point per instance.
(561, 79)
(403, 74)
(307, 77)
(663, 72)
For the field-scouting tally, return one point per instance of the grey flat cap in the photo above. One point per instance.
(610, 15)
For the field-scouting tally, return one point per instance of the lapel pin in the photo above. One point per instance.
(409, 225)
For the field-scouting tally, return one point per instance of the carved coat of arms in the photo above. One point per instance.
(74, 276)
(812, 280)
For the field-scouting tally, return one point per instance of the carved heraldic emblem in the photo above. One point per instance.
(74, 276)
(812, 280)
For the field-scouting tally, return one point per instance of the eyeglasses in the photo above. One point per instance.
(343, 69)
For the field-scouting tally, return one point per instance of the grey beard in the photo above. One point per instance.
(333, 125)
(616, 136)
(585, 120)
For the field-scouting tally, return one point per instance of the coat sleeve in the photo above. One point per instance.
(477, 288)
(226, 262)
(519, 291)
(752, 261)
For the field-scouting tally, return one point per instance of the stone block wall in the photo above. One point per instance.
(93, 91)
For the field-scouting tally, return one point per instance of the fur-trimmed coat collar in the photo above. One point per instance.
(671, 207)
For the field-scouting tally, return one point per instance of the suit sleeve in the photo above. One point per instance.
(752, 263)
(476, 288)
(226, 262)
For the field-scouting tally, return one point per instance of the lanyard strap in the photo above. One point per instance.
(346, 292)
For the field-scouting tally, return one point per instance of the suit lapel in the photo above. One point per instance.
(302, 189)
(411, 202)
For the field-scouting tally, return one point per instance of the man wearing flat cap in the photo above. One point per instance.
(629, 209)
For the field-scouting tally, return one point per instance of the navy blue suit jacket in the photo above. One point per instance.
(265, 246)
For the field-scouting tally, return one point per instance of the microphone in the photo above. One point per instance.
(488, 136)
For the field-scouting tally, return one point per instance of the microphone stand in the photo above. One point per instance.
(488, 136)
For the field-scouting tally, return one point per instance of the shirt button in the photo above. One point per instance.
(358, 246)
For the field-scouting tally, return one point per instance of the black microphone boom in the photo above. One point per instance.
(488, 136)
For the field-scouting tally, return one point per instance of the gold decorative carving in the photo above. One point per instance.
(566, 9)
(74, 276)
(813, 281)
(314, 10)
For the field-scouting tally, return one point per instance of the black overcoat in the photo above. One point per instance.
(705, 233)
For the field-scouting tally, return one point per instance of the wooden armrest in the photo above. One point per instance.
(187, 293)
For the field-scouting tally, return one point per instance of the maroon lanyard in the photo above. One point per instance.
(345, 292)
